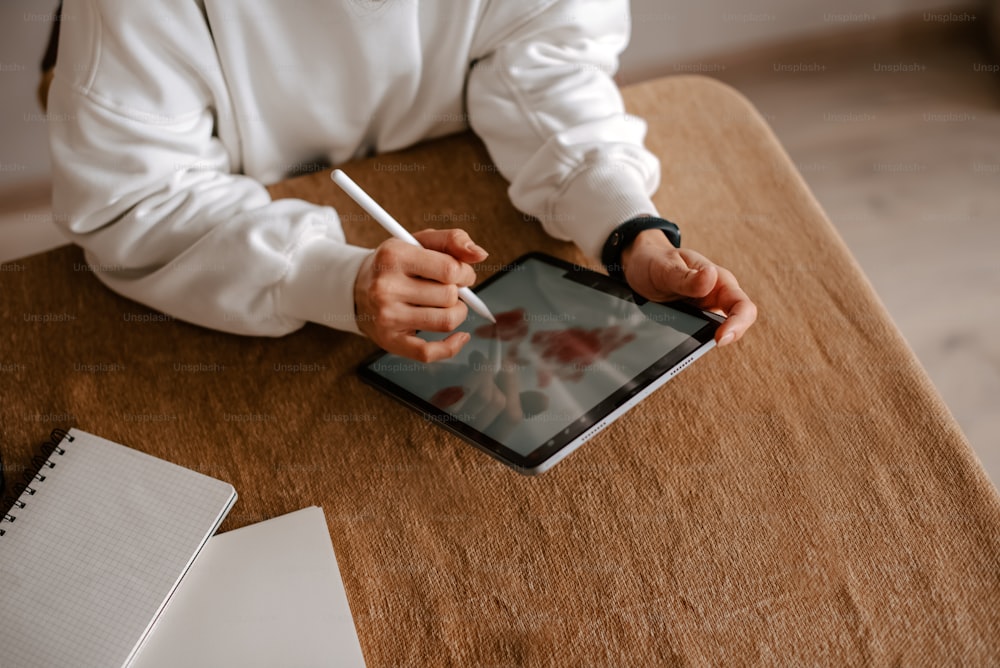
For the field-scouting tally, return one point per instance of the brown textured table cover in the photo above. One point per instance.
(802, 497)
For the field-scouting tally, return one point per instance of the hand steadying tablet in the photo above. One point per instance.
(660, 272)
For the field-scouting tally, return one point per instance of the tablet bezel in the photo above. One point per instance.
(591, 422)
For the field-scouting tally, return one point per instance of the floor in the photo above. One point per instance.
(897, 131)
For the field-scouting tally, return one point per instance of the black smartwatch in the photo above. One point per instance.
(625, 234)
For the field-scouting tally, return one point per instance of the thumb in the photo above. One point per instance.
(683, 273)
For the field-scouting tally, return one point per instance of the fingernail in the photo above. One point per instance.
(728, 338)
(471, 247)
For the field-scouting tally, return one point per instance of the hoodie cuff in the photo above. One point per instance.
(598, 200)
(319, 287)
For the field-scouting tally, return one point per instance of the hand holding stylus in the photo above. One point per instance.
(414, 283)
(392, 226)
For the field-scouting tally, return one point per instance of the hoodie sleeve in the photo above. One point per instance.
(542, 98)
(143, 181)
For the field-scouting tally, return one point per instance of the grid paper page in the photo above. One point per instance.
(91, 559)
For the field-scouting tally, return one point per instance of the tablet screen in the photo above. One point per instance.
(569, 346)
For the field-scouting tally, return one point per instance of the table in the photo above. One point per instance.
(801, 497)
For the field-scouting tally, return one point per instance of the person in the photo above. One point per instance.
(167, 119)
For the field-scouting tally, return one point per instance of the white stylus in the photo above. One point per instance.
(393, 227)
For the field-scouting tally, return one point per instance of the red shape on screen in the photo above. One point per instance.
(569, 346)
(510, 325)
(561, 353)
(571, 351)
(447, 396)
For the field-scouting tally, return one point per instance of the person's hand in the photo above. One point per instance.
(660, 272)
(401, 288)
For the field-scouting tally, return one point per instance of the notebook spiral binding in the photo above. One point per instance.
(41, 462)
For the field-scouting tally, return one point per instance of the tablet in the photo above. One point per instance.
(571, 352)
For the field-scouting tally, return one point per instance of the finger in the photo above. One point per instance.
(743, 314)
(395, 256)
(454, 242)
(430, 318)
(683, 273)
(422, 292)
(436, 266)
(415, 348)
(737, 305)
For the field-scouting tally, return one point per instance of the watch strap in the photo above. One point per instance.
(625, 234)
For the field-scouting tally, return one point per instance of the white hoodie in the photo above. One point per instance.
(167, 116)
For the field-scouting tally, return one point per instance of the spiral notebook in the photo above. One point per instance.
(93, 549)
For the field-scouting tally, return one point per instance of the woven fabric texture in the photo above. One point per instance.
(802, 497)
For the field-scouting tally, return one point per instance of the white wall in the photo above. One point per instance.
(24, 32)
(663, 33)
(666, 32)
